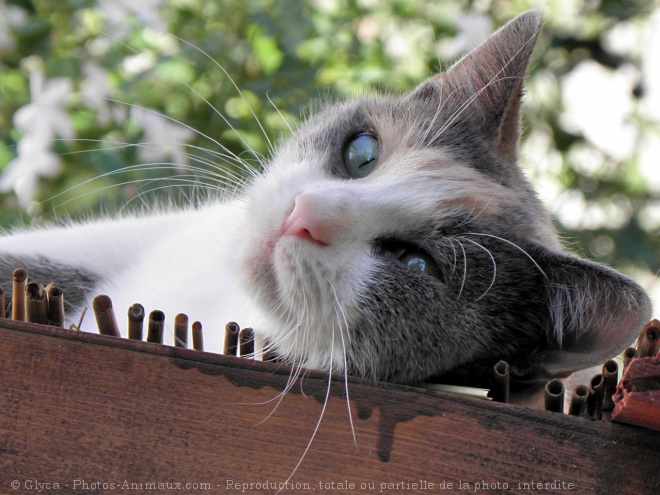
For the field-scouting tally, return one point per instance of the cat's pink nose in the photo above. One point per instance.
(305, 222)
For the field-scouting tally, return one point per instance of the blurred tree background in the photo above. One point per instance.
(106, 103)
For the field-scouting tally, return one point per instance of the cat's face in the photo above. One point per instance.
(384, 254)
(397, 238)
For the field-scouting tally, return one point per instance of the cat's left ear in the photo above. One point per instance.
(484, 88)
(595, 312)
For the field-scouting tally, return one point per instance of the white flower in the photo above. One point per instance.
(41, 120)
(45, 117)
(649, 146)
(95, 92)
(651, 67)
(598, 104)
(115, 12)
(11, 16)
(21, 175)
(649, 151)
(472, 29)
(162, 137)
(134, 65)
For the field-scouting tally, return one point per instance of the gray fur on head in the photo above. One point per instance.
(448, 184)
(547, 312)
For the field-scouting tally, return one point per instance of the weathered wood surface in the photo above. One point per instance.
(90, 414)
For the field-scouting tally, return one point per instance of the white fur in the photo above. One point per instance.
(173, 261)
(228, 261)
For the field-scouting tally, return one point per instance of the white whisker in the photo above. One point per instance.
(344, 323)
(511, 244)
(493, 80)
(460, 292)
(279, 113)
(492, 282)
(318, 423)
(238, 90)
(201, 97)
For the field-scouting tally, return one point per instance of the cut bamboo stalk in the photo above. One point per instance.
(105, 316)
(18, 295)
(181, 330)
(246, 342)
(197, 336)
(596, 394)
(579, 400)
(136, 321)
(270, 355)
(3, 308)
(500, 388)
(231, 339)
(156, 326)
(628, 355)
(611, 374)
(554, 396)
(36, 303)
(55, 306)
(648, 343)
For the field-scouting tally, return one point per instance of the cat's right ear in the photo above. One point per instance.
(483, 90)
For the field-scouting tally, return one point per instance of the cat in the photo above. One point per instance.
(393, 238)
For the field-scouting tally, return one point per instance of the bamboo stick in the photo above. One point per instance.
(231, 339)
(628, 355)
(197, 336)
(136, 321)
(36, 303)
(246, 342)
(579, 400)
(55, 306)
(554, 396)
(156, 326)
(595, 401)
(270, 354)
(3, 308)
(648, 344)
(105, 316)
(18, 295)
(181, 330)
(611, 374)
(500, 388)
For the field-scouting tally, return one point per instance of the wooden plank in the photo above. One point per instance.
(89, 414)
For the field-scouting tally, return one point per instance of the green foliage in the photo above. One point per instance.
(282, 54)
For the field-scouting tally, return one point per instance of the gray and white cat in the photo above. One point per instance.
(393, 238)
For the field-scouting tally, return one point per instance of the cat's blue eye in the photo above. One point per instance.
(361, 155)
(420, 262)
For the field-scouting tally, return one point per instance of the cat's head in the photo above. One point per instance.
(397, 238)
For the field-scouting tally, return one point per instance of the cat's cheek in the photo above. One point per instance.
(271, 270)
(325, 275)
(294, 261)
(253, 268)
